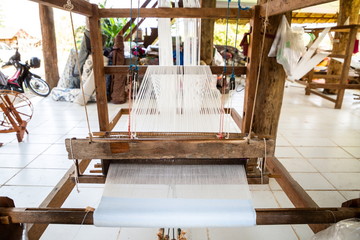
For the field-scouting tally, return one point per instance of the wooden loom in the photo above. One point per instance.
(108, 148)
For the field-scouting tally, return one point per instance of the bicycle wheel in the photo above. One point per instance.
(18, 109)
(39, 86)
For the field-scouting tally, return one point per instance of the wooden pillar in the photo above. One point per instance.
(270, 91)
(49, 45)
(252, 67)
(98, 68)
(348, 9)
(346, 66)
(207, 34)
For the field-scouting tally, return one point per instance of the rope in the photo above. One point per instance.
(266, 22)
(69, 6)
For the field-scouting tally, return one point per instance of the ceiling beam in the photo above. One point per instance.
(214, 13)
(80, 6)
(276, 7)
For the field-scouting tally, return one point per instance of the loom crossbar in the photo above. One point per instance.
(167, 148)
(269, 216)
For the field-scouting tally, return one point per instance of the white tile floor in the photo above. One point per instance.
(320, 147)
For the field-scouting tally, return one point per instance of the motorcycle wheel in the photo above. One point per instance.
(39, 86)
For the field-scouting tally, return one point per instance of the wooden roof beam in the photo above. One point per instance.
(282, 6)
(208, 13)
(80, 6)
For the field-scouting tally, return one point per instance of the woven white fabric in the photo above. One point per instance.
(175, 196)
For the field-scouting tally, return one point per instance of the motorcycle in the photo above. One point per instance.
(23, 78)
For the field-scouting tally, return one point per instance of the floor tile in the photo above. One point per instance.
(7, 173)
(86, 197)
(274, 185)
(282, 199)
(336, 165)
(344, 181)
(323, 152)
(79, 232)
(310, 141)
(15, 160)
(51, 161)
(346, 141)
(327, 198)
(7, 137)
(282, 142)
(56, 149)
(303, 232)
(263, 199)
(286, 152)
(37, 177)
(26, 196)
(297, 165)
(140, 233)
(312, 181)
(259, 187)
(43, 138)
(350, 194)
(23, 148)
(277, 232)
(354, 151)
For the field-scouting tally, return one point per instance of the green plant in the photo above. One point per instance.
(111, 27)
(220, 34)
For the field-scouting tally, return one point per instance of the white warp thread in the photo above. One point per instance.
(175, 196)
(178, 99)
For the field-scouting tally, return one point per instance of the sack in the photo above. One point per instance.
(3, 79)
(288, 46)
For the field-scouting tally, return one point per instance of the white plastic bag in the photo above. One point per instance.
(288, 46)
(348, 229)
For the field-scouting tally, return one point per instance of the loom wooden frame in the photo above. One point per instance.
(343, 77)
(294, 191)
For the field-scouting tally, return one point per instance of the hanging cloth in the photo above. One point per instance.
(245, 44)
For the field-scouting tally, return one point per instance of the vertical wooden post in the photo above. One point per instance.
(348, 9)
(252, 67)
(49, 45)
(346, 66)
(98, 68)
(270, 91)
(207, 34)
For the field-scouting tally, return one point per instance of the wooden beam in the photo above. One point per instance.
(134, 29)
(8, 230)
(124, 69)
(207, 35)
(327, 97)
(101, 179)
(276, 7)
(346, 67)
(270, 91)
(268, 216)
(292, 189)
(98, 68)
(334, 86)
(252, 68)
(49, 45)
(117, 117)
(80, 6)
(57, 197)
(167, 148)
(131, 20)
(209, 13)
